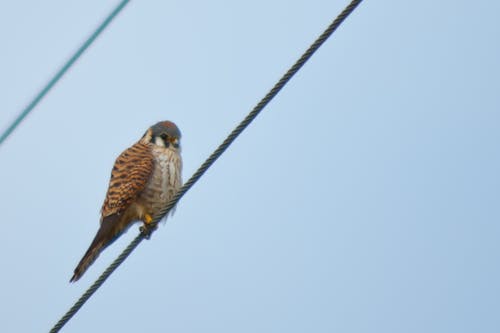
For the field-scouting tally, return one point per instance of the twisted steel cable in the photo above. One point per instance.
(211, 159)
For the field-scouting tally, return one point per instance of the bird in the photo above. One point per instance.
(144, 178)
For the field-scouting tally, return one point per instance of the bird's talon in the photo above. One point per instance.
(146, 230)
(146, 233)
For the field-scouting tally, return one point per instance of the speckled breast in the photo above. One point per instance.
(165, 180)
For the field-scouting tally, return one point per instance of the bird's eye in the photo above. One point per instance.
(164, 136)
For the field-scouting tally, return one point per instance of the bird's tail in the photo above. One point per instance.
(105, 236)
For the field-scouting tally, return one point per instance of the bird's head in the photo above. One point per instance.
(163, 134)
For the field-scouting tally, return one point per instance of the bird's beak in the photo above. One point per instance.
(174, 141)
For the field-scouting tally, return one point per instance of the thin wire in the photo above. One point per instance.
(61, 71)
(216, 154)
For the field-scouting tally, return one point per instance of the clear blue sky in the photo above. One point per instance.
(364, 199)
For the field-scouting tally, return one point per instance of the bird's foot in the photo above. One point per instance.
(146, 230)
(148, 227)
(148, 219)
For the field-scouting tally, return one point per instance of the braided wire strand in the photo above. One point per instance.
(210, 160)
(17, 121)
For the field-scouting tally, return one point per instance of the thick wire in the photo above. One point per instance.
(62, 71)
(215, 155)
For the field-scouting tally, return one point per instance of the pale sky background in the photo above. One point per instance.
(365, 198)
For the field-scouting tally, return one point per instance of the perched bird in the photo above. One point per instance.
(144, 179)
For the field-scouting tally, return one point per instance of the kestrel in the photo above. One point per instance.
(144, 179)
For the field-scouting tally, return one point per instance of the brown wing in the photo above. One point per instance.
(130, 174)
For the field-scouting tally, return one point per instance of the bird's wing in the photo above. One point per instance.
(129, 177)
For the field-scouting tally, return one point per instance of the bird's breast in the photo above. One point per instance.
(165, 180)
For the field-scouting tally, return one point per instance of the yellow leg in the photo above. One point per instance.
(148, 219)
(148, 227)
